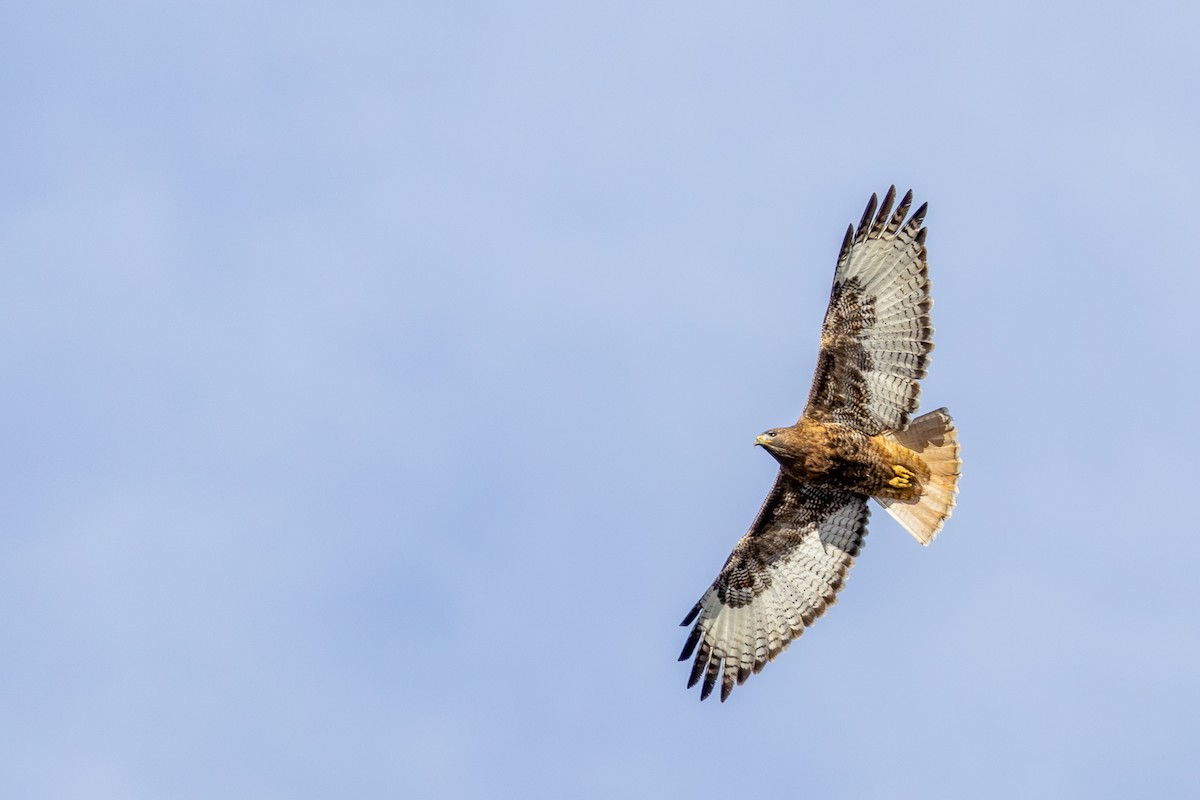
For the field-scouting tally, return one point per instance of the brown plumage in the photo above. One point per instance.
(836, 456)
(854, 441)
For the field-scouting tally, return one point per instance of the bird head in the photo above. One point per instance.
(781, 442)
(767, 439)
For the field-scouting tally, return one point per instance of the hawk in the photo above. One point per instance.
(854, 441)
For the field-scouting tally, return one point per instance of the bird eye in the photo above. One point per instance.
(772, 434)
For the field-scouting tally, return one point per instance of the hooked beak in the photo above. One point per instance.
(761, 441)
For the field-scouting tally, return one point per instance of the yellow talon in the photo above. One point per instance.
(903, 479)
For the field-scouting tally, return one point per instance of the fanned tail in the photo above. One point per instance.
(935, 439)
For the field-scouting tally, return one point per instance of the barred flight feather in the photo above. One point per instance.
(801, 546)
(879, 304)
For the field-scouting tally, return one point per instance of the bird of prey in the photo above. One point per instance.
(854, 441)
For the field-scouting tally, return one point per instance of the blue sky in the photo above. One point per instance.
(382, 378)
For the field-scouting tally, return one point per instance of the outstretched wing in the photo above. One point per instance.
(780, 577)
(877, 336)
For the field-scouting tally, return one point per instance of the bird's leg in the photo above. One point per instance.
(903, 479)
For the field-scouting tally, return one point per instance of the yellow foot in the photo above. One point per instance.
(903, 479)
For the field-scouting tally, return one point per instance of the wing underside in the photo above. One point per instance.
(782, 575)
(877, 335)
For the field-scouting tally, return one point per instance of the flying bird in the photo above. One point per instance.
(854, 441)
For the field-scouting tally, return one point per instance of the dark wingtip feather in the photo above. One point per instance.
(710, 678)
(691, 615)
(868, 215)
(882, 216)
(901, 212)
(919, 217)
(885, 208)
(698, 665)
(690, 645)
(694, 676)
(847, 242)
